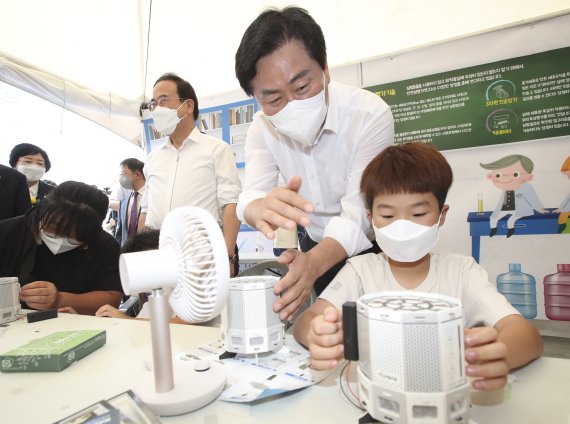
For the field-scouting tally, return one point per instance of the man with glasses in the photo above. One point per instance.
(190, 168)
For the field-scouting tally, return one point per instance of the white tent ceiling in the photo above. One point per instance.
(91, 56)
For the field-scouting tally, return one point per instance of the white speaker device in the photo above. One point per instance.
(249, 324)
(9, 299)
(192, 260)
(412, 366)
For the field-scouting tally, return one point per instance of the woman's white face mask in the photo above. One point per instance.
(31, 171)
(407, 241)
(301, 120)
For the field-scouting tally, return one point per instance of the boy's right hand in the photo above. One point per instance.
(109, 311)
(325, 339)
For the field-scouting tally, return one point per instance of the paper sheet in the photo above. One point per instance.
(251, 379)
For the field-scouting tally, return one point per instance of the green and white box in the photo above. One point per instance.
(54, 352)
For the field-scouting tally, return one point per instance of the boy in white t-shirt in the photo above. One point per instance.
(405, 188)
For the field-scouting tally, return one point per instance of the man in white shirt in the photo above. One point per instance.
(319, 136)
(190, 168)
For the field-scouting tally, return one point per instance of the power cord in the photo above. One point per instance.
(349, 395)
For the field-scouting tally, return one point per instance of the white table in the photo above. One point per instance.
(539, 394)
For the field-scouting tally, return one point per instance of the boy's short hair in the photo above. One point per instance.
(414, 167)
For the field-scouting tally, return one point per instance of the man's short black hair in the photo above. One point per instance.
(184, 89)
(272, 29)
(134, 165)
(25, 149)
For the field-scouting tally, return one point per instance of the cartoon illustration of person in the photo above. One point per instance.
(512, 174)
(564, 208)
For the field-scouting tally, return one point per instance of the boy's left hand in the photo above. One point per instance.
(486, 358)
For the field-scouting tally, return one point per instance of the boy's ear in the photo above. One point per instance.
(444, 211)
(369, 215)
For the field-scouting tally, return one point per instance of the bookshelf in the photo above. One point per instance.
(230, 123)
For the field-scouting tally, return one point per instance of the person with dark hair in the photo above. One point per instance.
(33, 162)
(131, 179)
(60, 252)
(405, 189)
(319, 135)
(190, 168)
(140, 242)
(14, 194)
(148, 240)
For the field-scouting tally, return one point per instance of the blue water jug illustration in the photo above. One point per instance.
(519, 289)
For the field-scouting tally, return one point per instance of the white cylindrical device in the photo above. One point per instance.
(412, 365)
(249, 324)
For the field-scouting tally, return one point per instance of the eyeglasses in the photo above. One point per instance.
(161, 101)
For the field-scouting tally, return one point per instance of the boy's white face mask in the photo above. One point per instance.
(406, 241)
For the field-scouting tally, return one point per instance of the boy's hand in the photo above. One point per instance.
(486, 358)
(325, 339)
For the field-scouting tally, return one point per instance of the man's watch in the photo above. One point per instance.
(233, 258)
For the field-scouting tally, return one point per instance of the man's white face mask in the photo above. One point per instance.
(406, 241)
(301, 120)
(166, 119)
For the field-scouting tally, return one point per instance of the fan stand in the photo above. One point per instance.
(184, 387)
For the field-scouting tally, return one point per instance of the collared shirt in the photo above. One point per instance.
(201, 173)
(358, 126)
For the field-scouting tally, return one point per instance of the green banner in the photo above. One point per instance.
(524, 98)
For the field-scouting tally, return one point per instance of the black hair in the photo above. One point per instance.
(183, 88)
(147, 240)
(133, 164)
(25, 149)
(74, 210)
(414, 167)
(272, 29)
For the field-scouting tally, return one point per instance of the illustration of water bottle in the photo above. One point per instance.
(557, 294)
(519, 289)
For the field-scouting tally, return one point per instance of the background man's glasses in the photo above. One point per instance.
(161, 101)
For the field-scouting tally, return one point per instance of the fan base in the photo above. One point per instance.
(192, 389)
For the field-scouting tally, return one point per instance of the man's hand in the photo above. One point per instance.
(282, 207)
(40, 295)
(296, 284)
(325, 339)
(486, 358)
(109, 311)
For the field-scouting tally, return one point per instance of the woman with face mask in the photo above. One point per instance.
(33, 162)
(60, 252)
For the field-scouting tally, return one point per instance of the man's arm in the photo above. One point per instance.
(304, 269)
(230, 227)
(282, 207)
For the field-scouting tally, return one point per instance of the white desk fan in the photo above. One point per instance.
(191, 260)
